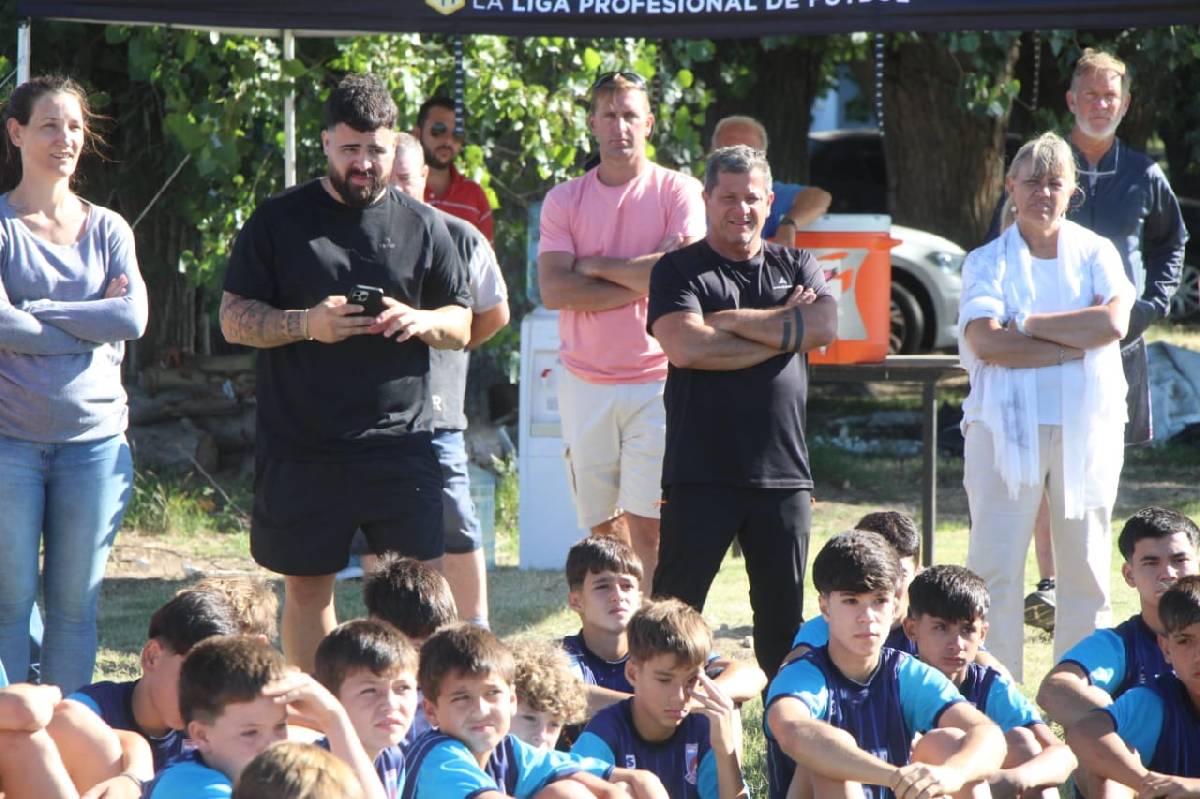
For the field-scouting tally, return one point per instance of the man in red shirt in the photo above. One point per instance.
(446, 188)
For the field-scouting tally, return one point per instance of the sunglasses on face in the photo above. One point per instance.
(605, 78)
(439, 129)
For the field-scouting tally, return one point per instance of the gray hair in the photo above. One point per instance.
(408, 144)
(738, 119)
(738, 159)
(1048, 154)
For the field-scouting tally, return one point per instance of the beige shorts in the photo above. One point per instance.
(614, 434)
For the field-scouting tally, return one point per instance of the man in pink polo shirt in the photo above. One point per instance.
(600, 235)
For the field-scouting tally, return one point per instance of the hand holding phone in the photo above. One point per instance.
(369, 297)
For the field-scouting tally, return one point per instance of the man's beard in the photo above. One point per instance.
(433, 162)
(1106, 132)
(359, 196)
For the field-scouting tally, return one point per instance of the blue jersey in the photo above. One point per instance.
(998, 698)
(389, 765)
(785, 195)
(685, 762)
(815, 632)
(903, 697)
(189, 778)
(441, 767)
(1159, 720)
(1119, 658)
(593, 669)
(420, 725)
(113, 702)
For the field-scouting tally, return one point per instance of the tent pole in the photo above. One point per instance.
(23, 51)
(289, 116)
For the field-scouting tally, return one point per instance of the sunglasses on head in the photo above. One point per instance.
(439, 128)
(605, 78)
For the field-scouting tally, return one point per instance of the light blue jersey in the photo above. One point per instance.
(189, 778)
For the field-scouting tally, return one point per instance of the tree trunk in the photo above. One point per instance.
(945, 163)
(786, 82)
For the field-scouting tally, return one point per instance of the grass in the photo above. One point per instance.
(203, 521)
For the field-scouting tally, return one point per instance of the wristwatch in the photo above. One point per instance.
(787, 220)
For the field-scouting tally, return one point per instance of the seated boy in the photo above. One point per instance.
(37, 762)
(372, 670)
(548, 694)
(847, 712)
(679, 724)
(254, 601)
(1159, 546)
(900, 532)
(1148, 740)
(416, 601)
(149, 705)
(234, 695)
(466, 678)
(604, 587)
(294, 770)
(947, 619)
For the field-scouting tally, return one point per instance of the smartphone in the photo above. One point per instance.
(369, 297)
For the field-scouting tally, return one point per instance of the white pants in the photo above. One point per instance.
(615, 434)
(1000, 531)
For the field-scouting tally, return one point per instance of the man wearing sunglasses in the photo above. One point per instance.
(600, 235)
(446, 189)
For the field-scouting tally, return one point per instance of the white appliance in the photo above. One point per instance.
(546, 516)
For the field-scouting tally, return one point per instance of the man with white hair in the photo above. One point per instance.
(795, 206)
(1128, 200)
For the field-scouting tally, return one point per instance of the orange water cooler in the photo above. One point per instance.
(855, 251)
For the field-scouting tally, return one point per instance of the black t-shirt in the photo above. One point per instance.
(365, 395)
(742, 427)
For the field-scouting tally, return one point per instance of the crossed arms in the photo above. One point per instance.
(745, 337)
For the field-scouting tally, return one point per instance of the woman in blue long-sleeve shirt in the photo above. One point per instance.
(70, 296)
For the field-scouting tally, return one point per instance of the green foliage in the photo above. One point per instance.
(185, 505)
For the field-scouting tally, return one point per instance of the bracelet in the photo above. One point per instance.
(138, 781)
(307, 337)
(1061, 353)
(787, 220)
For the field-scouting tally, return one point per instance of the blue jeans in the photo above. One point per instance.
(69, 498)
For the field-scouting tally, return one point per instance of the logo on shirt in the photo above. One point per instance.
(691, 759)
(387, 243)
(782, 284)
(630, 761)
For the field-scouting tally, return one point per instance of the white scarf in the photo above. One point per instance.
(1093, 391)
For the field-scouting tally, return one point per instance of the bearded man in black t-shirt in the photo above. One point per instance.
(344, 423)
(736, 316)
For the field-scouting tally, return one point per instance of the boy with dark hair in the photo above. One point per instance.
(466, 676)
(844, 714)
(411, 596)
(1159, 546)
(947, 620)
(149, 705)
(234, 694)
(900, 532)
(1148, 740)
(604, 587)
(549, 696)
(694, 754)
(415, 599)
(372, 670)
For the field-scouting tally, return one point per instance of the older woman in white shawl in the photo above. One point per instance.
(1043, 309)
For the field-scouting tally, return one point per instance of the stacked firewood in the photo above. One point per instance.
(195, 415)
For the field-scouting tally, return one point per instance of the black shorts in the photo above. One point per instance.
(305, 513)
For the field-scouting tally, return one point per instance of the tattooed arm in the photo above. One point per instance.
(803, 323)
(257, 324)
